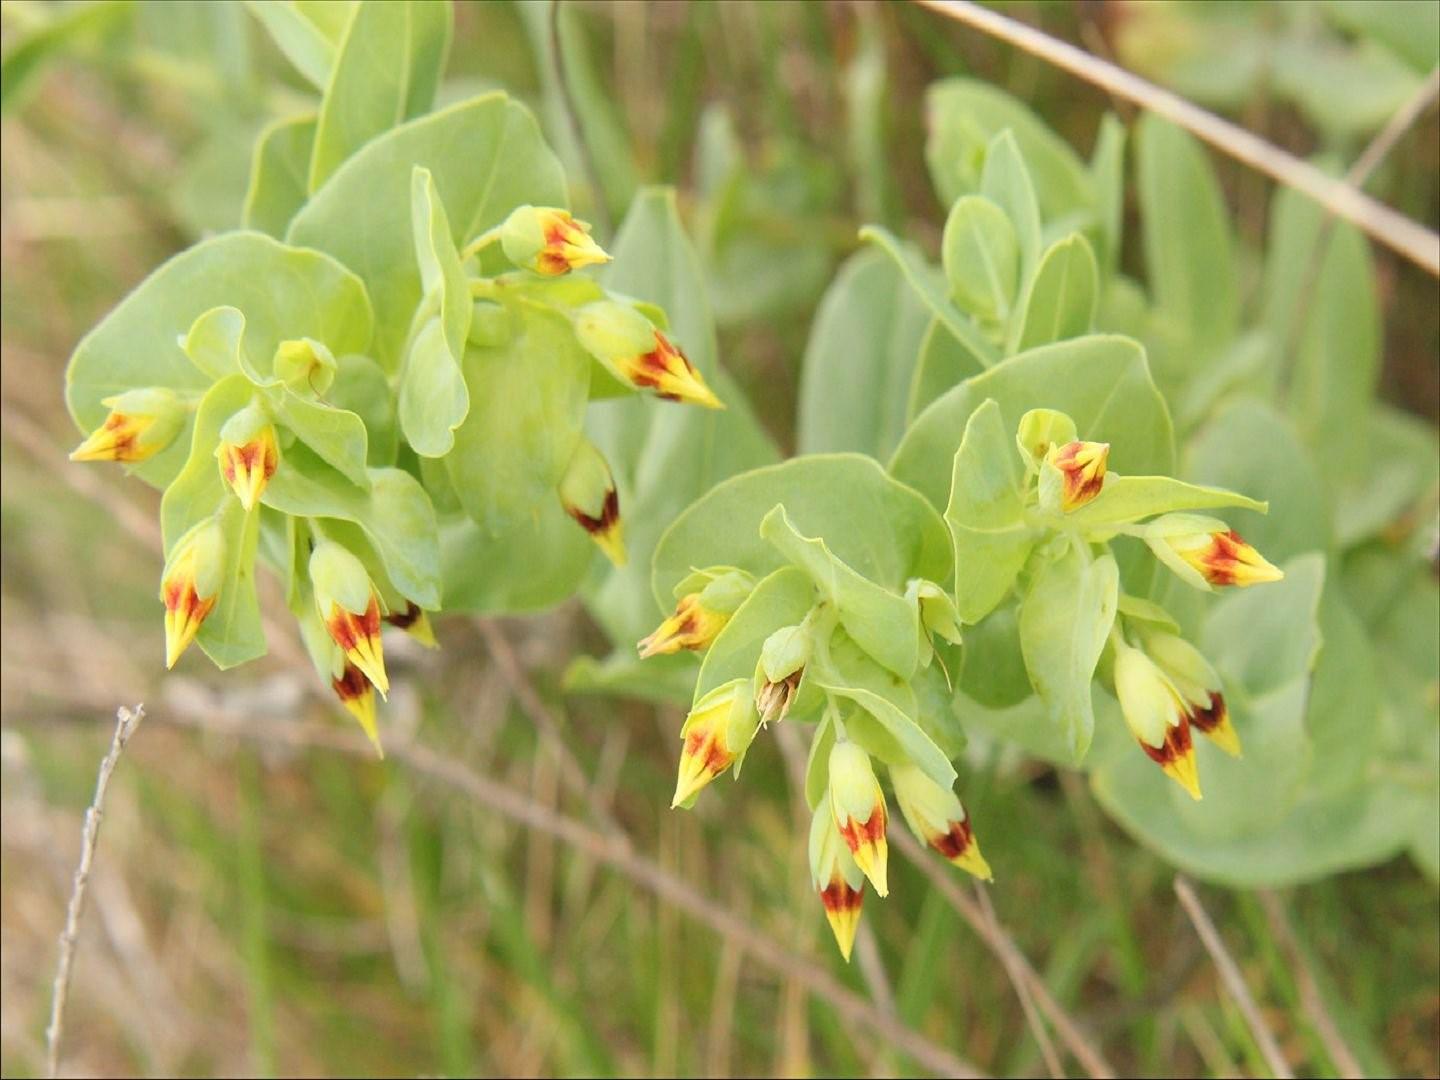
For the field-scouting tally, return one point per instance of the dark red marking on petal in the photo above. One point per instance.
(1176, 745)
(1207, 720)
(352, 685)
(838, 896)
(956, 842)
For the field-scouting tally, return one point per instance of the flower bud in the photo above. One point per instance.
(858, 806)
(350, 609)
(415, 622)
(1156, 715)
(782, 662)
(937, 610)
(1040, 431)
(587, 492)
(836, 878)
(304, 364)
(717, 732)
(190, 585)
(358, 696)
(1199, 685)
(248, 453)
(1205, 552)
(936, 817)
(698, 617)
(1073, 473)
(141, 424)
(636, 353)
(549, 241)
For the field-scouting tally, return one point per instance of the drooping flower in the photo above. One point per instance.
(358, 696)
(1157, 716)
(350, 609)
(416, 622)
(698, 616)
(858, 807)
(936, 817)
(587, 492)
(1199, 684)
(141, 424)
(837, 879)
(190, 585)
(637, 353)
(1205, 552)
(248, 453)
(304, 364)
(780, 670)
(717, 732)
(1078, 474)
(549, 241)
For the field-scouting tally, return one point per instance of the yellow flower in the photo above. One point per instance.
(635, 352)
(836, 878)
(415, 622)
(141, 424)
(1205, 551)
(549, 241)
(248, 454)
(718, 731)
(1156, 715)
(191, 585)
(349, 608)
(858, 807)
(358, 696)
(1081, 471)
(935, 815)
(692, 626)
(1199, 685)
(587, 492)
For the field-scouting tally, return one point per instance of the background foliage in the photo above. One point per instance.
(334, 897)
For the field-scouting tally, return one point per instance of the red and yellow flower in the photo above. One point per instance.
(549, 241)
(718, 731)
(248, 454)
(349, 608)
(836, 878)
(190, 585)
(858, 806)
(1157, 716)
(638, 354)
(1199, 684)
(936, 817)
(1080, 468)
(141, 424)
(587, 492)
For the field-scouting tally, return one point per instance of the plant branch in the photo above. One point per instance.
(605, 847)
(126, 721)
(1000, 943)
(1231, 977)
(1409, 239)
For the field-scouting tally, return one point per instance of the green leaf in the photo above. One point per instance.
(199, 489)
(992, 665)
(1408, 28)
(1188, 241)
(664, 456)
(1403, 470)
(232, 634)
(881, 529)
(336, 435)
(1101, 381)
(486, 157)
(817, 763)
(386, 71)
(395, 513)
(1005, 181)
(930, 286)
(1059, 299)
(309, 44)
(361, 387)
(981, 256)
(1107, 177)
(283, 291)
(1064, 624)
(534, 566)
(881, 622)
(783, 598)
(1346, 89)
(442, 278)
(855, 376)
(278, 175)
(527, 408)
(1129, 498)
(943, 363)
(964, 115)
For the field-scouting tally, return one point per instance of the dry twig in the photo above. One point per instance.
(1022, 990)
(126, 721)
(1231, 977)
(1407, 238)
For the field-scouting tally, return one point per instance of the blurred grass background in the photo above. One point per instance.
(269, 909)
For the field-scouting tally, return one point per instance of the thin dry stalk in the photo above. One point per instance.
(126, 721)
(1022, 990)
(1231, 977)
(1001, 944)
(613, 850)
(1407, 238)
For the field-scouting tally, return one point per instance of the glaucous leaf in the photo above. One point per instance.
(981, 256)
(307, 42)
(1131, 498)
(783, 598)
(533, 566)
(198, 489)
(1059, 300)
(232, 634)
(278, 175)
(943, 363)
(1005, 181)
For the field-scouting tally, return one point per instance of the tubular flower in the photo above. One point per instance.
(191, 585)
(415, 622)
(638, 354)
(1206, 552)
(248, 454)
(350, 609)
(141, 424)
(304, 364)
(858, 806)
(549, 241)
(773, 699)
(1040, 431)
(699, 615)
(836, 878)
(587, 492)
(1079, 469)
(781, 668)
(1156, 715)
(1199, 685)
(935, 815)
(716, 734)
(358, 696)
